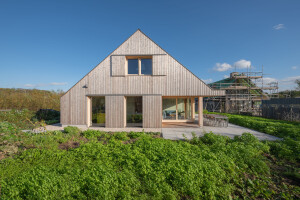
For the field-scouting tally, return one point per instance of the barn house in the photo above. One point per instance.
(138, 85)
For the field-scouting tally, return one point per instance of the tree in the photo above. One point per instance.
(298, 84)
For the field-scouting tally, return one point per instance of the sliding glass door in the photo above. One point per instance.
(177, 109)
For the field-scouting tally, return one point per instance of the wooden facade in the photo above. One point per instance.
(110, 79)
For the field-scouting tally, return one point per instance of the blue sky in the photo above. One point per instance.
(53, 44)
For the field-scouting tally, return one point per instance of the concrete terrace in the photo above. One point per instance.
(177, 132)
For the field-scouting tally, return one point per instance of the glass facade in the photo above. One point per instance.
(177, 109)
(169, 109)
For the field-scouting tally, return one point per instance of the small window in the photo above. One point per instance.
(139, 65)
(146, 66)
(133, 66)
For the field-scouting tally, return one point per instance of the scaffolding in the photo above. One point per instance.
(244, 93)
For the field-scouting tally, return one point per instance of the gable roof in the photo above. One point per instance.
(138, 31)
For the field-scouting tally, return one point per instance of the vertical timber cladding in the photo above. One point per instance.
(65, 109)
(115, 111)
(117, 65)
(152, 108)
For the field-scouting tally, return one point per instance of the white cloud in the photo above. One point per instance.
(294, 67)
(268, 80)
(288, 83)
(222, 67)
(208, 81)
(56, 83)
(44, 84)
(289, 80)
(29, 85)
(278, 27)
(242, 64)
(226, 76)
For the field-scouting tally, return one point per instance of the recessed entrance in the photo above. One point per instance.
(134, 111)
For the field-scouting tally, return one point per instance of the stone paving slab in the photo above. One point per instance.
(231, 131)
(83, 127)
(177, 133)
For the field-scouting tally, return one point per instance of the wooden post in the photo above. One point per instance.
(125, 112)
(88, 111)
(193, 108)
(200, 111)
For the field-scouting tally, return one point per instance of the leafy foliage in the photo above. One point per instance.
(137, 166)
(72, 130)
(288, 148)
(6, 127)
(24, 119)
(31, 99)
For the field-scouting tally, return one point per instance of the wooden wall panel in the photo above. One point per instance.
(159, 64)
(118, 65)
(152, 111)
(115, 111)
(138, 44)
(65, 109)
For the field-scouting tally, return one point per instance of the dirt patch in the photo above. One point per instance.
(69, 145)
(2, 155)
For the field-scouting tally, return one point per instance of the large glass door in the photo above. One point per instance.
(98, 111)
(134, 111)
(177, 109)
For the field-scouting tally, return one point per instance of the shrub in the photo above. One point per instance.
(92, 133)
(72, 130)
(47, 114)
(121, 136)
(6, 127)
(134, 135)
(23, 119)
(286, 149)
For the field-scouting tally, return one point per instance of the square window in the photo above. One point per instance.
(146, 66)
(133, 66)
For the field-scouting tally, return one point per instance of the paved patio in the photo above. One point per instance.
(176, 132)
(231, 131)
(127, 129)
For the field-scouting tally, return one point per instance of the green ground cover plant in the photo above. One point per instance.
(288, 148)
(72, 164)
(27, 119)
(279, 128)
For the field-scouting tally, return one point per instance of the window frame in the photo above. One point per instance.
(140, 65)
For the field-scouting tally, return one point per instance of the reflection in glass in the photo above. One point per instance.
(169, 109)
(133, 66)
(134, 109)
(98, 111)
(184, 109)
(146, 66)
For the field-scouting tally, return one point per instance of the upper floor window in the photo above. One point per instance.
(139, 65)
(133, 66)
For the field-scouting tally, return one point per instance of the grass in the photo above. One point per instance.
(96, 165)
